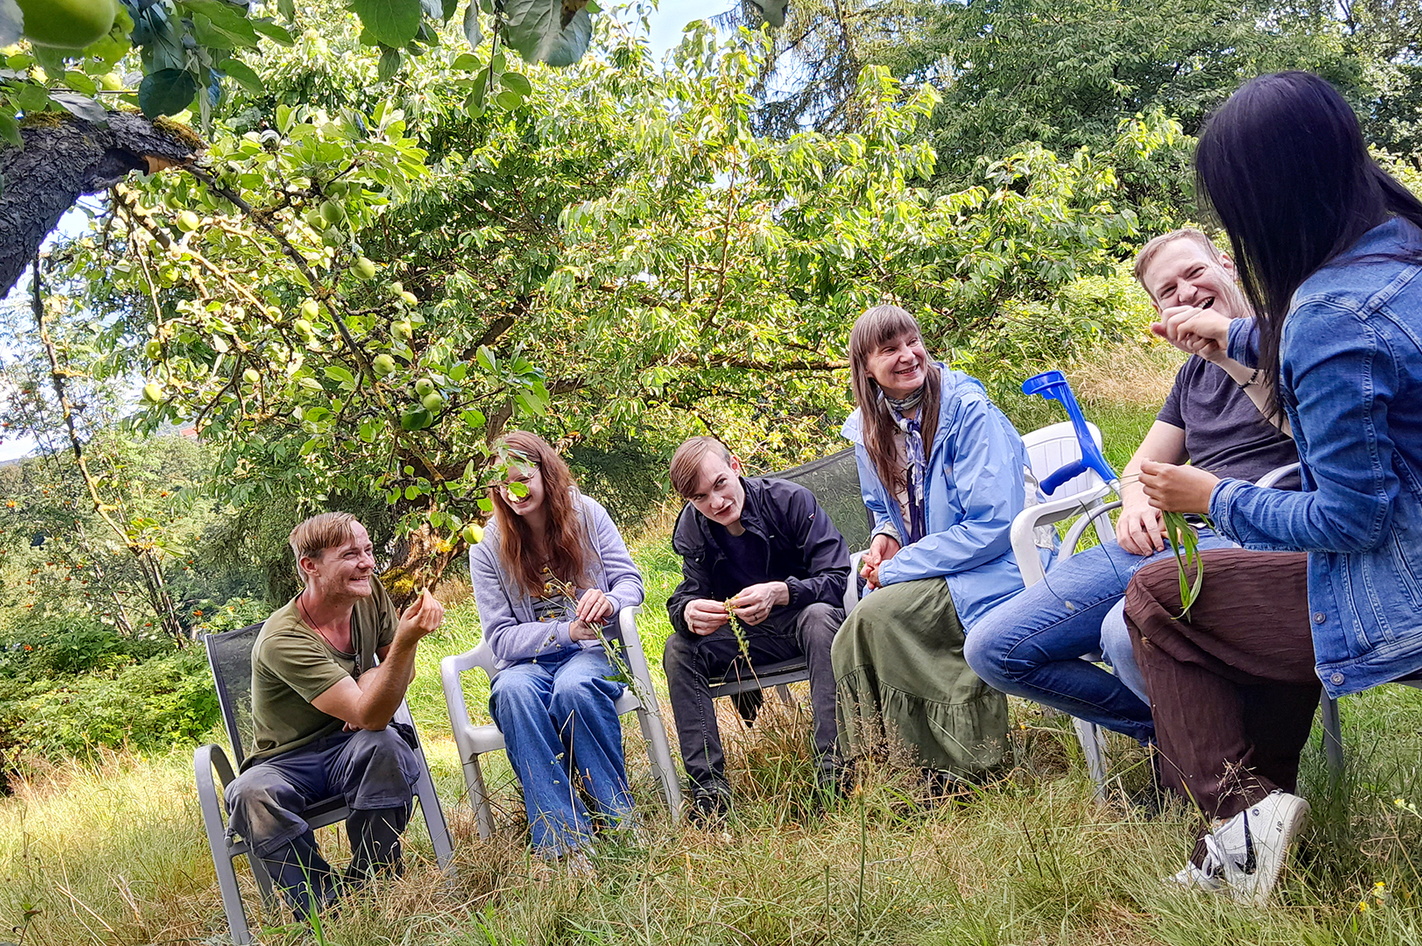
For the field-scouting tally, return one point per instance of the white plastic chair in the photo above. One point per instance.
(473, 741)
(1048, 450)
(1049, 447)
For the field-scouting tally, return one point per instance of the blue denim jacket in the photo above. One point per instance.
(1351, 364)
(973, 489)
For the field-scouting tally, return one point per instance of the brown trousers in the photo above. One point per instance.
(1233, 688)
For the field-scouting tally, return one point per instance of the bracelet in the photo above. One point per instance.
(1252, 378)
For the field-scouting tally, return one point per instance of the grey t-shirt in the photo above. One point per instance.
(1224, 431)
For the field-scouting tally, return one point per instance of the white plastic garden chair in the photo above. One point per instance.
(473, 740)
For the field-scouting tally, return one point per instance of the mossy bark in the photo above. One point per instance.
(64, 158)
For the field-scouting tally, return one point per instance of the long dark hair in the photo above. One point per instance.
(1284, 167)
(565, 543)
(872, 330)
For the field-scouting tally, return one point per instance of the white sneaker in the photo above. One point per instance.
(1208, 876)
(1250, 848)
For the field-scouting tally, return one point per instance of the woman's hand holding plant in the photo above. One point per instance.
(1173, 487)
(881, 549)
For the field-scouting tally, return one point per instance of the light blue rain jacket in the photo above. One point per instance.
(973, 488)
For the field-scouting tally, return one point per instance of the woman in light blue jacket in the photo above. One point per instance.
(942, 471)
(1329, 248)
(551, 572)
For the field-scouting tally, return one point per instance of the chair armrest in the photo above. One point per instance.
(465, 737)
(633, 653)
(208, 759)
(1024, 543)
(851, 587)
(1079, 527)
(1273, 476)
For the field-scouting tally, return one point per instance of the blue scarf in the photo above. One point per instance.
(917, 461)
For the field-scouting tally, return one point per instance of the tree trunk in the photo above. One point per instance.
(65, 158)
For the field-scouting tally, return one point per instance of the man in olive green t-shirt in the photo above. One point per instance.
(322, 709)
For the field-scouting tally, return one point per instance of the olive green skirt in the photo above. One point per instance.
(902, 684)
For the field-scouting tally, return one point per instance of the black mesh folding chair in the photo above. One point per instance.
(835, 482)
(230, 657)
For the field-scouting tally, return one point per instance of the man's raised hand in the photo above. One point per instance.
(1196, 331)
(421, 617)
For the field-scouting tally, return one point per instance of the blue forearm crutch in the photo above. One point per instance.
(1053, 386)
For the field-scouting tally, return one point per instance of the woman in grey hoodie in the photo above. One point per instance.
(550, 574)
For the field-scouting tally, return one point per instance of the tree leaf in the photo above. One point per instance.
(533, 26)
(10, 22)
(81, 106)
(392, 22)
(389, 63)
(244, 74)
(571, 42)
(10, 130)
(274, 32)
(472, 32)
(219, 24)
(166, 92)
(517, 82)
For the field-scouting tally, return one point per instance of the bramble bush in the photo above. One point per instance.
(64, 693)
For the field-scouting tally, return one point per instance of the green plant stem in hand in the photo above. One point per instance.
(556, 587)
(1185, 544)
(737, 627)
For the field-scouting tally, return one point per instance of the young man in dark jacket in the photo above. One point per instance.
(766, 548)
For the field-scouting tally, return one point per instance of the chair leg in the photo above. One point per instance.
(479, 797)
(785, 695)
(659, 753)
(205, 760)
(435, 822)
(1089, 735)
(1332, 738)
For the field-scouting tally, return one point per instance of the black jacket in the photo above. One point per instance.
(802, 548)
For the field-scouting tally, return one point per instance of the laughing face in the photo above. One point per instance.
(531, 480)
(343, 571)
(1184, 273)
(899, 366)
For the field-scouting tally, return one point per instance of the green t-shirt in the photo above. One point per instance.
(292, 664)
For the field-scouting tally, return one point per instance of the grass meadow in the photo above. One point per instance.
(112, 851)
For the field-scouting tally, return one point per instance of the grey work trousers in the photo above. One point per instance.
(373, 769)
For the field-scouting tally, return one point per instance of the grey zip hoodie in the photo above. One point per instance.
(506, 614)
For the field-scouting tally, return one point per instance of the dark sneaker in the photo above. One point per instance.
(709, 805)
(835, 779)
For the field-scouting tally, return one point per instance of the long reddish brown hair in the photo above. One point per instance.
(872, 330)
(565, 544)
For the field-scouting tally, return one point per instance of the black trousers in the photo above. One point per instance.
(691, 663)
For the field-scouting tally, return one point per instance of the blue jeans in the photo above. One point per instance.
(563, 734)
(1031, 645)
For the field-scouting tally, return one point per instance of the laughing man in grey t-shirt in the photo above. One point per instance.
(1031, 645)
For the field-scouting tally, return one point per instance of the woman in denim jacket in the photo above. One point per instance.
(550, 573)
(1329, 248)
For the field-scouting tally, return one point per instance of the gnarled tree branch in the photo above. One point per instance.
(65, 158)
